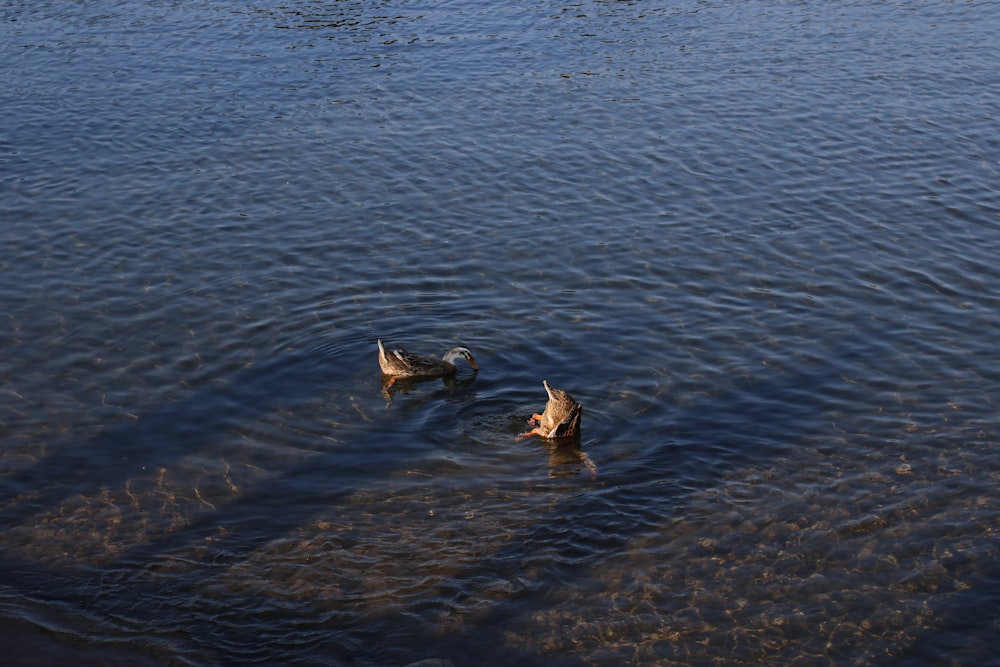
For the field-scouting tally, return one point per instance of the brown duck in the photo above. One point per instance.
(561, 417)
(402, 364)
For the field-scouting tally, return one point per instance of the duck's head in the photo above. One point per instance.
(460, 353)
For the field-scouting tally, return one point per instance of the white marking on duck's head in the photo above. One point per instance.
(461, 353)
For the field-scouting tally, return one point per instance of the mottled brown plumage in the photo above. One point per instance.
(561, 417)
(402, 364)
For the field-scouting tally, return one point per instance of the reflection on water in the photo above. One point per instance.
(391, 385)
(566, 458)
(758, 243)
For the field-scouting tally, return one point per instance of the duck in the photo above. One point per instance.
(401, 364)
(561, 417)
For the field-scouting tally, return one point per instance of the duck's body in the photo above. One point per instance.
(561, 417)
(401, 364)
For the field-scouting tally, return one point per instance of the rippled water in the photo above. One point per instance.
(756, 240)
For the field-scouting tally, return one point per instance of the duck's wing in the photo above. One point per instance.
(398, 360)
(569, 425)
(417, 363)
(404, 357)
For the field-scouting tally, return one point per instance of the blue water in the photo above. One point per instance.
(757, 241)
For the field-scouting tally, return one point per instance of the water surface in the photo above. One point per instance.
(756, 240)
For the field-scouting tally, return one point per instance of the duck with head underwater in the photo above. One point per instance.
(559, 426)
(399, 363)
(561, 417)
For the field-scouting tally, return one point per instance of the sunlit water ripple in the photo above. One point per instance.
(757, 241)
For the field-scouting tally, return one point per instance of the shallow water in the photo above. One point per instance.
(756, 240)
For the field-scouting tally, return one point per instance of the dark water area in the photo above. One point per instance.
(757, 241)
